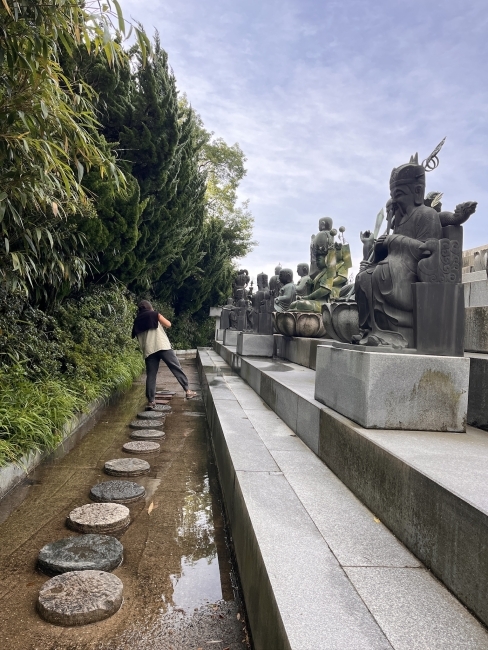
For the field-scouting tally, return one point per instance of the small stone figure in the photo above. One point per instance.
(367, 238)
(325, 224)
(287, 293)
(302, 287)
(258, 300)
(274, 283)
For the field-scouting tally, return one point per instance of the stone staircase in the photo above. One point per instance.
(320, 570)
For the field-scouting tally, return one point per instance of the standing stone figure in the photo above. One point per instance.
(367, 238)
(302, 287)
(258, 300)
(287, 292)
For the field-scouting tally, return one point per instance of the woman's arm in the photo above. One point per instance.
(164, 321)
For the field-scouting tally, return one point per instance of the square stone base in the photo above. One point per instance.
(230, 337)
(219, 335)
(389, 390)
(255, 345)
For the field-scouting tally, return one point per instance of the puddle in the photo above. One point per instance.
(180, 586)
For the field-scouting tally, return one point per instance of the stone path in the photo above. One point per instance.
(163, 545)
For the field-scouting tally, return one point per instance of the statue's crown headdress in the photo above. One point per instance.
(413, 173)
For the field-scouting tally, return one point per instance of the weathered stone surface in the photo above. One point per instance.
(389, 390)
(80, 597)
(117, 492)
(165, 392)
(81, 553)
(99, 518)
(127, 466)
(147, 424)
(159, 404)
(153, 415)
(141, 447)
(147, 434)
(255, 345)
(230, 337)
(476, 329)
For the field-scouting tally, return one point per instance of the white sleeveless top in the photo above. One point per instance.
(152, 341)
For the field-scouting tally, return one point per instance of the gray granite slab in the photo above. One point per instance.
(415, 611)
(126, 467)
(117, 492)
(99, 518)
(319, 607)
(273, 431)
(354, 534)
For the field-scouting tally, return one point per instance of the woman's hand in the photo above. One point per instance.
(164, 321)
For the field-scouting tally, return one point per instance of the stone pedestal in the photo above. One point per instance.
(382, 389)
(230, 337)
(255, 345)
(438, 312)
(476, 329)
(219, 335)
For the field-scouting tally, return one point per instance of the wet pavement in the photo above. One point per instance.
(180, 587)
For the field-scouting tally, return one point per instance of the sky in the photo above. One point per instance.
(325, 98)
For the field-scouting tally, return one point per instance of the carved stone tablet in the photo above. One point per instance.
(81, 553)
(147, 424)
(141, 447)
(128, 466)
(99, 518)
(154, 415)
(117, 492)
(80, 597)
(147, 434)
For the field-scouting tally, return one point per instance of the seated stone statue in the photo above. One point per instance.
(287, 292)
(274, 283)
(302, 287)
(383, 286)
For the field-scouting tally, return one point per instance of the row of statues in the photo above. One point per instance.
(408, 291)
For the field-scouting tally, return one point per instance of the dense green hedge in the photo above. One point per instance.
(53, 366)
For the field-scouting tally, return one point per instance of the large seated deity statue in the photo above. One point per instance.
(332, 261)
(287, 292)
(402, 279)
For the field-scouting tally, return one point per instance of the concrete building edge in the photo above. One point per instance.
(432, 528)
(266, 625)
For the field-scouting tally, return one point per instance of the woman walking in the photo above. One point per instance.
(149, 328)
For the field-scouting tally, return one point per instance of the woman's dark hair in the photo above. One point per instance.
(144, 305)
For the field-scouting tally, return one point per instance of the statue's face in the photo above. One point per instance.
(286, 276)
(403, 198)
(302, 270)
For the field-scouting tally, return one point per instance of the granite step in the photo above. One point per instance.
(276, 447)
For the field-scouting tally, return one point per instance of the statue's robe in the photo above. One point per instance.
(286, 296)
(384, 289)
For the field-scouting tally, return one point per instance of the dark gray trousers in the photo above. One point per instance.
(152, 365)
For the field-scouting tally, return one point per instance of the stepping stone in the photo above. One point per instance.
(81, 553)
(141, 447)
(117, 492)
(99, 518)
(147, 424)
(166, 392)
(153, 415)
(128, 466)
(147, 434)
(158, 406)
(80, 597)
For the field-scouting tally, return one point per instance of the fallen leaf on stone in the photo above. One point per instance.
(151, 508)
(377, 521)
(238, 617)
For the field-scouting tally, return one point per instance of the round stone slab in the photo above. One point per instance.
(99, 518)
(153, 415)
(128, 466)
(80, 597)
(147, 434)
(117, 492)
(158, 407)
(146, 424)
(141, 447)
(81, 553)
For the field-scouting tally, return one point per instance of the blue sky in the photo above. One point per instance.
(325, 98)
